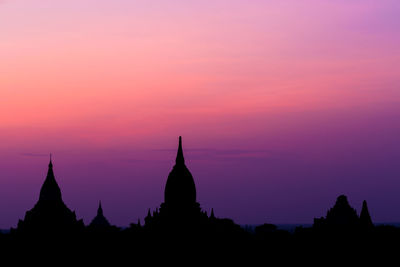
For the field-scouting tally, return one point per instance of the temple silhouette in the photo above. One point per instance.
(50, 214)
(180, 208)
(343, 217)
(365, 218)
(180, 216)
(100, 221)
(179, 224)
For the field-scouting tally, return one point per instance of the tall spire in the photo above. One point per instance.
(100, 210)
(212, 216)
(50, 163)
(365, 218)
(50, 173)
(179, 156)
(180, 188)
(50, 189)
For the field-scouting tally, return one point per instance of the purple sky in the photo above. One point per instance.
(284, 178)
(282, 105)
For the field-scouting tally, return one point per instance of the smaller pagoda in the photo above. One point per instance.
(99, 221)
(50, 214)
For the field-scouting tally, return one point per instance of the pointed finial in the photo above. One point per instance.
(179, 156)
(148, 213)
(212, 216)
(50, 163)
(100, 209)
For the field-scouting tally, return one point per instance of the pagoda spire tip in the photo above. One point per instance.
(179, 157)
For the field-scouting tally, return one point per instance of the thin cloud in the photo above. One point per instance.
(200, 153)
(34, 154)
(220, 151)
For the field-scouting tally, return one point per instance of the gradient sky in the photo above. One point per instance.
(282, 105)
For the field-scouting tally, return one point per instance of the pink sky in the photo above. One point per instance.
(282, 105)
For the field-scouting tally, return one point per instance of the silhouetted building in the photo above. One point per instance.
(212, 216)
(50, 214)
(180, 205)
(180, 215)
(365, 218)
(341, 216)
(180, 190)
(99, 221)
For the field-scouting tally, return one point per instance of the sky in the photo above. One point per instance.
(282, 105)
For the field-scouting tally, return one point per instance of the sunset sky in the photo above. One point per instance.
(282, 105)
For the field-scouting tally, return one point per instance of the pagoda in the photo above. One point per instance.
(100, 221)
(50, 214)
(180, 206)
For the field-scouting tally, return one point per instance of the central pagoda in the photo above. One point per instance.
(180, 191)
(180, 205)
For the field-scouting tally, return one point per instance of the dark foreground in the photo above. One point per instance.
(229, 244)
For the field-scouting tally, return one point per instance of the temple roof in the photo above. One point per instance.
(100, 220)
(50, 214)
(365, 218)
(180, 188)
(342, 213)
(50, 190)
